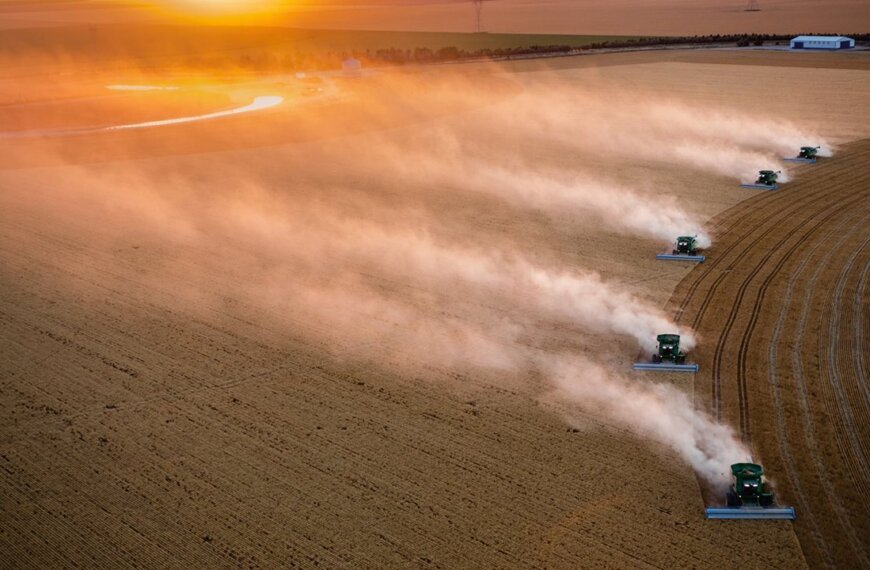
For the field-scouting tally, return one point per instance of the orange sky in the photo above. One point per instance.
(666, 17)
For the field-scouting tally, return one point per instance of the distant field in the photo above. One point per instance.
(349, 39)
(156, 42)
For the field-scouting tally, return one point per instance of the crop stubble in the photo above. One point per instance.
(808, 404)
(134, 431)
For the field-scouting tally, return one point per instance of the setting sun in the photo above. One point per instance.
(221, 11)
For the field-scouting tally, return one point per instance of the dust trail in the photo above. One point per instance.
(330, 275)
(733, 144)
(656, 411)
(616, 207)
(356, 285)
(739, 129)
(320, 242)
(576, 297)
(653, 411)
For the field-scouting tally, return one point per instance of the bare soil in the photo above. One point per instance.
(153, 416)
(783, 307)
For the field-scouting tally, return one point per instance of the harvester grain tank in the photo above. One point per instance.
(685, 249)
(766, 180)
(749, 497)
(668, 356)
(807, 155)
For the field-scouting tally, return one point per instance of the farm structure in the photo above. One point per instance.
(822, 42)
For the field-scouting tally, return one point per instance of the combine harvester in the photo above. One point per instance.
(686, 249)
(668, 357)
(766, 180)
(749, 497)
(807, 155)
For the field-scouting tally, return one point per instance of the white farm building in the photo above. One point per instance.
(351, 67)
(822, 42)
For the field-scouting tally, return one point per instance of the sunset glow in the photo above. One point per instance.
(221, 11)
(436, 284)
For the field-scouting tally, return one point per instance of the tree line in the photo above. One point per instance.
(308, 61)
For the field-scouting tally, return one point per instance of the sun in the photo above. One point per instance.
(220, 11)
(220, 5)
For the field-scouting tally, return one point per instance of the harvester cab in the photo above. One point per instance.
(685, 245)
(668, 356)
(749, 487)
(668, 349)
(749, 497)
(808, 152)
(767, 177)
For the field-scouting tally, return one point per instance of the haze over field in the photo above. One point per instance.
(346, 255)
(620, 17)
(255, 312)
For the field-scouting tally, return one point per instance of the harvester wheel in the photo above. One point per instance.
(680, 359)
(657, 359)
(765, 500)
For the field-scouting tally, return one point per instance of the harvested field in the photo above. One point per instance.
(190, 377)
(784, 308)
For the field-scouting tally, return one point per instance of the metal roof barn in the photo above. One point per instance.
(822, 42)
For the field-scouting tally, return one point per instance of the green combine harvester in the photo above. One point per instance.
(749, 497)
(668, 356)
(766, 180)
(686, 245)
(685, 249)
(807, 155)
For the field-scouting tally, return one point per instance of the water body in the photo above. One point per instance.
(258, 104)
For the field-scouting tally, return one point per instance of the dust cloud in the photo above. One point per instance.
(360, 286)
(369, 273)
(603, 120)
(656, 411)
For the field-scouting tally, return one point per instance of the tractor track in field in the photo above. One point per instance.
(861, 325)
(735, 217)
(843, 407)
(857, 364)
(810, 438)
(859, 310)
(712, 267)
(781, 429)
(746, 338)
(798, 370)
(789, 226)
